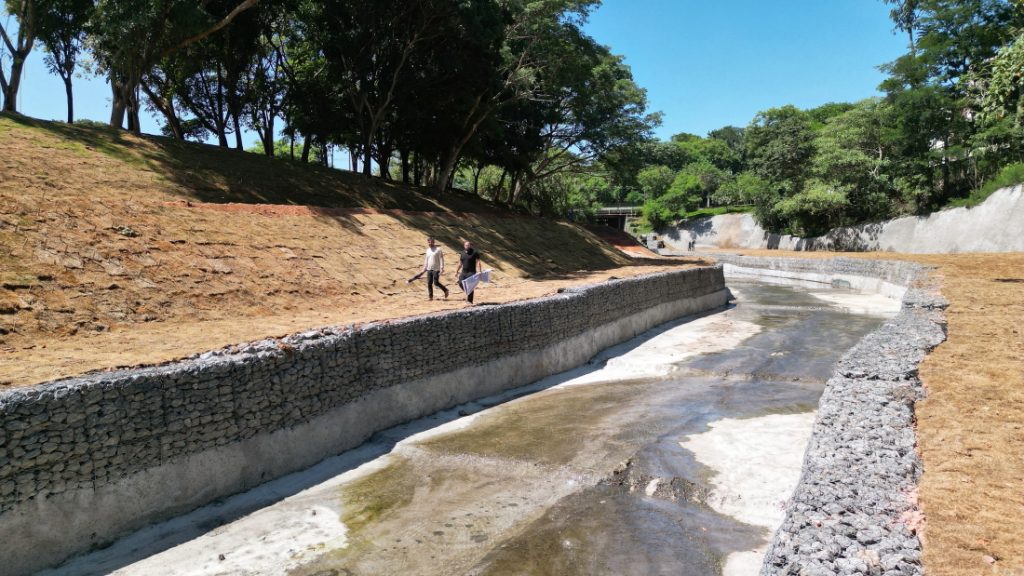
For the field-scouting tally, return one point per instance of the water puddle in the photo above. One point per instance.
(669, 454)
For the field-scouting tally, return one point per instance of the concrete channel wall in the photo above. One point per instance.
(853, 511)
(996, 225)
(85, 460)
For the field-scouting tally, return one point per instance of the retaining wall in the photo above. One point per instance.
(887, 277)
(849, 512)
(85, 460)
(996, 225)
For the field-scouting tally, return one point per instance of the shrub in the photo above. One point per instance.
(1010, 175)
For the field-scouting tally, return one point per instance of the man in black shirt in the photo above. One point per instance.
(469, 264)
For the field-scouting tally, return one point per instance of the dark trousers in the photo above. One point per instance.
(434, 277)
(463, 276)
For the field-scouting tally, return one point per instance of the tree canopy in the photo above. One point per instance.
(513, 100)
(414, 89)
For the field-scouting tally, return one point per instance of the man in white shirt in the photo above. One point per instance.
(433, 265)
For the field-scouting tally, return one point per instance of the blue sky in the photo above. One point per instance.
(705, 63)
(708, 64)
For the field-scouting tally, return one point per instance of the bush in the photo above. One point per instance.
(1010, 175)
(718, 211)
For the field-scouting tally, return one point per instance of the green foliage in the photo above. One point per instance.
(718, 211)
(822, 114)
(779, 146)
(683, 195)
(1005, 94)
(814, 210)
(744, 188)
(1010, 175)
(853, 154)
(654, 181)
(283, 149)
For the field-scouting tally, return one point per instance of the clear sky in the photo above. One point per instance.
(712, 63)
(705, 63)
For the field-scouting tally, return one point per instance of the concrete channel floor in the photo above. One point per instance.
(672, 453)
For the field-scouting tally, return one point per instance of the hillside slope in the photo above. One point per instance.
(122, 250)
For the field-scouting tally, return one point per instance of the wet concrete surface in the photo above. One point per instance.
(586, 475)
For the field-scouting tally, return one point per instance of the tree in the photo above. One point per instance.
(779, 145)
(814, 210)
(590, 105)
(129, 37)
(731, 135)
(932, 89)
(744, 188)
(524, 49)
(1003, 97)
(904, 15)
(854, 155)
(655, 180)
(372, 52)
(683, 195)
(211, 78)
(18, 49)
(61, 25)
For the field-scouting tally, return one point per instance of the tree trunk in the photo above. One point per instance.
(353, 158)
(476, 177)
(118, 104)
(306, 145)
(447, 169)
(133, 110)
(238, 133)
(501, 184)
(404, 155)
(384, 163)
(167, 109)
(268, 138)
(71, 99)
(514, 189)
(367, 155)
(14, 81)
(417, 169)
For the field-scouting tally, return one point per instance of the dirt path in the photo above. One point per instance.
(162, 341)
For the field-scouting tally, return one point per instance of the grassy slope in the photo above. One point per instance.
(104, 233)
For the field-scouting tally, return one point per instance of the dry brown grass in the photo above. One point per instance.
(107, 261)
(971, 425)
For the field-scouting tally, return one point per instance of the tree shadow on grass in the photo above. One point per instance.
(207, 173)
(204, 173)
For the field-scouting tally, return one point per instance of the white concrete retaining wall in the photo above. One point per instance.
(997, 225)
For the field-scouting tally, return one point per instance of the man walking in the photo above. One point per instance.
(433, 265)
(469, 264)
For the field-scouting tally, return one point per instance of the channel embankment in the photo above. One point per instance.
(85, 460)
(854, 510)
(996, 225)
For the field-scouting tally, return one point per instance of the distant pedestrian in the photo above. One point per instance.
(433, 266)
(469, 264)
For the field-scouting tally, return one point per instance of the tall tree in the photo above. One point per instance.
(131, 36)
(779, 145)
(62, 28)
(17, 48)
(371, 53)
(931, 90)
(524, 51)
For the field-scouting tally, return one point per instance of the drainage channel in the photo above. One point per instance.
(672, 453)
